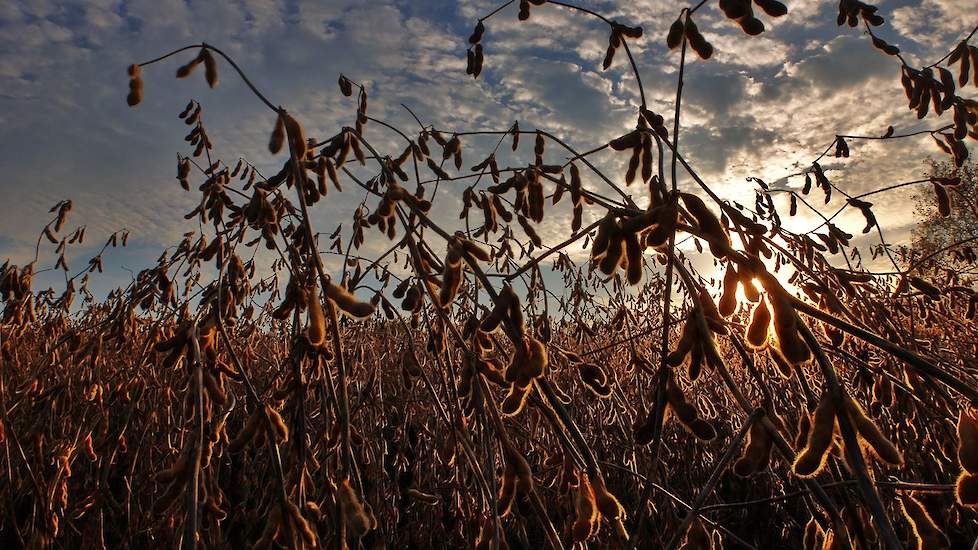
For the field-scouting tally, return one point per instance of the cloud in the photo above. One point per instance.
(844, 63)
(762, 106)
(935, 24)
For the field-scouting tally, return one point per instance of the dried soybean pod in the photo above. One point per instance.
(524, 477)
(420, 496)
(633, 162)
(633, 253)
(210, 67)
(346, 87)
(614, 255)
(316, 333)
(697, 41)
(631, 140)
(184, 70)
(883, 391)
(688, 338)
(213, 388)
(760, 321)
(347, 302)
(602, 238)
(785, 322)
(659, 235)
(537, 359)
(647, 159)
(686, 413)
(811, 459)
(783, 367)
(277, 139)
(774, 8)
(595, 379)
(676, 31)
(943, 200)
(728, 299)
(135, 96)
(297, 139)
(475, 251)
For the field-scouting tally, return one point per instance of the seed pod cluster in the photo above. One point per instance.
(707, 222)
(821, 429)
(618, 34)
(618, 244)
(742, 12)
(757, 451)
(595, 379)
(851, 10)
(686, 28)
(788, 341)
(609, 506)
(529, 362)
(474, 59)
(469, 387)
(517, 479)
(678, 406)
(870, 436)
(587, 519)
(506, 306)
(824, 424)
(204, 57)
(358, 515)
(346, 87)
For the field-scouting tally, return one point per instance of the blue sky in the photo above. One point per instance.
(762, 106)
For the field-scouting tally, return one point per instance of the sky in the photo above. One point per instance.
(762, 106)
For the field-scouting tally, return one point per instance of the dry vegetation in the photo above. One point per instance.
(440, 394)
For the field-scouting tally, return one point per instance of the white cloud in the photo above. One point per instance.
(763, 106)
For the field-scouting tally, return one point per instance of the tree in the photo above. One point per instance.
(946, 240)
